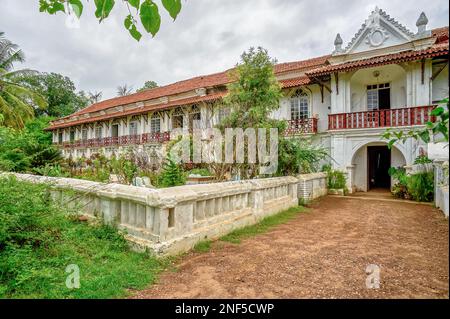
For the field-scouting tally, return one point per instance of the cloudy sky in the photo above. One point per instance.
(207, 37)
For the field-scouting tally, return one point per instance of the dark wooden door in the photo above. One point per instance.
(379, 161)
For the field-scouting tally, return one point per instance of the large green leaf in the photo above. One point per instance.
(150, 18)
(173, 7)
(104, 7)
(134, 3)
(77, 7)
(51, 7)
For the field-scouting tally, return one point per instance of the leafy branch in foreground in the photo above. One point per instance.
(438, 127)
(145, 11)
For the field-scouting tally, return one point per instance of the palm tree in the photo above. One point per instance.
(16, 101)
(94, 97)
(124, 90)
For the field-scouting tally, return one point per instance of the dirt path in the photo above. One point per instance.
(324, 254)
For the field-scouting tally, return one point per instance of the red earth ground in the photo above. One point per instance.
(323, 253)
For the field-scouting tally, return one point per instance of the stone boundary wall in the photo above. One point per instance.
(312, 186)
(172, 220)
(441, 191)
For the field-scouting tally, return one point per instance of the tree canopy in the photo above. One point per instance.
(59, 91)
(148, 85)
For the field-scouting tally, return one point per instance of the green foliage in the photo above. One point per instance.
(17, 102)
(59, 92)
(172, 174)
(203, 246)
(336, 179)
(51, 170)
(400, 189)
(254, 92)
(421, 186)
(146, 10)
(31, 148)
(150, 18)
(299, 156)
(263, 226)
(418, 187)
(438, 128)
(148, 85)
(252, 96)
(38, 240)
(422, 159)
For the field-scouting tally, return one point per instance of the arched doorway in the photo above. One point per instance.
(371, 163)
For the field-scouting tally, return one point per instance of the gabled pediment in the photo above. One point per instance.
(378, 31)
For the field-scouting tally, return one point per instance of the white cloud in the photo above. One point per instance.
(207, 37)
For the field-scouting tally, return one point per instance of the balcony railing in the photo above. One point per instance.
(382, 118)
(120, 141)
(302, 126)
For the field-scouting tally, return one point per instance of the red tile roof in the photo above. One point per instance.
(204, 81)
(315, 66)
(175, 88)
(301, 65)
(302, 80)
(441, 35)
(436, 50)
(142, 110)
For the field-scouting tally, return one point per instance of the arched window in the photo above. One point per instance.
(299, 105)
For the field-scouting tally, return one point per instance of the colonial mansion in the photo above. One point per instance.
(387, 76)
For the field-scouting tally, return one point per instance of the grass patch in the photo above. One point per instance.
(38, 240)
(203, 246)
(263, 226)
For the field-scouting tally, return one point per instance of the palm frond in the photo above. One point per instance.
(21, 108)
(8, 58)
(18, 73)
(27, 94)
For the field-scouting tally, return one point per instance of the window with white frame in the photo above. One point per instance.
(98, 132)
(60, 137)
(84, 134)
(133, 128)
(155, 124)
(378, 97)
(299, 105)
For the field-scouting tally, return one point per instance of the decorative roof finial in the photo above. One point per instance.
(338, 44)
(422, 26)
(338, 40)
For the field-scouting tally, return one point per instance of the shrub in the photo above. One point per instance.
(299, 157)
(422, 159)
(23, 150)
(172, 175)
(421, 186)
(336, 180)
